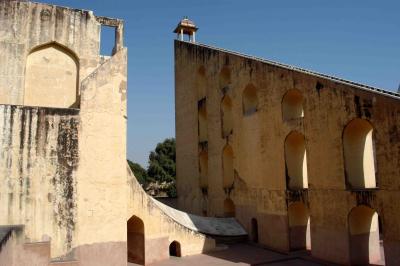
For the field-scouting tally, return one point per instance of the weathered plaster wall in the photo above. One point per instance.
(70, 195)
(38, 161)
(259, 190)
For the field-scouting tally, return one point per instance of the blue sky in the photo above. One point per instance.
(357, 40)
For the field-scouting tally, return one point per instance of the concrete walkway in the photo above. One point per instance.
(242, 254)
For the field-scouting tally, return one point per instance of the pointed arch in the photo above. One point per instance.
(292, 105)
(226, 116)
(363, 225)
(296, 161)
(359, 154)
(135, 240)
(52, 77)
(227, 166)
(201, 83)
(249, 100)
(224, 78)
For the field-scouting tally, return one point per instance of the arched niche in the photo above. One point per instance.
(254, 230)
(135, 240)
(226, 116)
(292, 105)
(201, 83)
(203, 164)
(224, 78)
(299, 226)
(227, 166)
(296, 161)
(175, 249)
(229, 208)
(364, 236)
(202, 120)
(51, 77)
(359, 155)
(249, 100)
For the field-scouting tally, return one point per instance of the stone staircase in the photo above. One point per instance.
(16, 252)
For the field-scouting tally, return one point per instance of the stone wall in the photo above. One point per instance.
(261, 179)
(38, 161)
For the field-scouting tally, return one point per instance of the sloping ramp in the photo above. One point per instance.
(164, 225)
(206, 225)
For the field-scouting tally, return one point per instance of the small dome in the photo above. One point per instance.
(186, 25)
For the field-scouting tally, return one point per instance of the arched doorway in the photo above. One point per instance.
(254, 230)
(229, 208)
(135, 239)
(175, 249)
(364, 236)
(359, 154)
(296, 161)
(51, 77)
(299, 226)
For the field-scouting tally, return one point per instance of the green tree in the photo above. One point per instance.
(162, 161)
(139, 172)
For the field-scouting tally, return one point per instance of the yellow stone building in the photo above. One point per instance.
(303, 160)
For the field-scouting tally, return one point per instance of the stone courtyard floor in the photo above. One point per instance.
(242, 254)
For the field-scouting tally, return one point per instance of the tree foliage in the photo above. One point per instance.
(139, 172)
(162, 162)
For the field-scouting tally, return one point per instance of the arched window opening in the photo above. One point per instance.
(250, 100)
(229, 208)
(254, 230)
(292, 105)
(227, 116)
(296, 161)
(175, 249)
(202, 112)
(135, 239)
(227, 166)
(224, 78)
(52, 77)
(364, 236)
(359, 154)
(201, 83)
(203, 161)
(299, 226)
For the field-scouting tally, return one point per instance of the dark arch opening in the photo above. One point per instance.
(135, 239)
(254, 230)
(175, 249)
